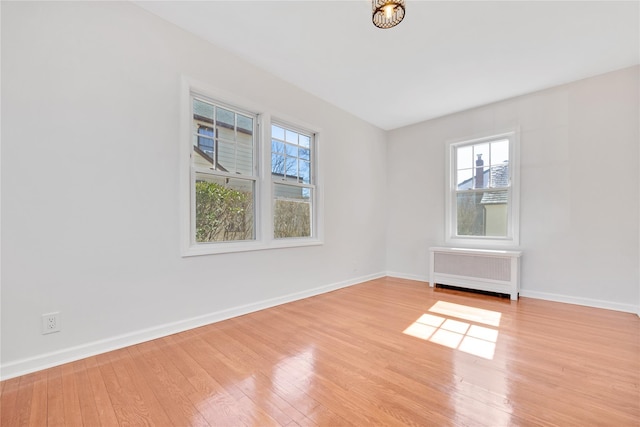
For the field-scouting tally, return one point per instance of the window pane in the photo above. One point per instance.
(304, 153)
(202, 111)
(291, 166)
(481, 177)
(235, 156)
(465, 179)
(277, 132)
(203, 134)
(203, 153)
(500, 176)
(277, 146)
(473, 178)
(305, 141)
(226, 117)
(465, 157)
(305, 171)
(227, 155)
(224, 209)
(499, 152)
(244, 154)
(277, 164)
(291, 150)
(292, 211)
(226, 133)
(482, 214)
(291, 136)
(481, 155)
(245, 124)
(206, 145)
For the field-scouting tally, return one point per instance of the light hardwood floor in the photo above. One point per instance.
(385, 352)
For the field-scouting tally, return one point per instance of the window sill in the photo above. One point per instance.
(482, 242)
(235, 247)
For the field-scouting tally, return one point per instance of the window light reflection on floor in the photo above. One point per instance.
(473, 314)
(464, 336)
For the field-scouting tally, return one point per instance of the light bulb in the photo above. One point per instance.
(388, 11)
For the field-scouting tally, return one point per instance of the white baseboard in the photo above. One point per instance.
(407, 276)
(609, 305)
(48, 360)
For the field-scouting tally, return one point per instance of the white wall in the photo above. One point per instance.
(89, 180)
(90, 119)
(579, 188)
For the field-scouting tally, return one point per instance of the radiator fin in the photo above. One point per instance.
(481, 267)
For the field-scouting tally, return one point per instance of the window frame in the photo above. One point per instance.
(512, 239)
(263, 186)
(283, 181)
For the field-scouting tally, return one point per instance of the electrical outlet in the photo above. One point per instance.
(50, 323)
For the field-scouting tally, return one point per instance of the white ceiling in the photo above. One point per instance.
(446, 56)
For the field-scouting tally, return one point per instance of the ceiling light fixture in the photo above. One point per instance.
(387, 13)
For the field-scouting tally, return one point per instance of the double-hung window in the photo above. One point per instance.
(248, 181)
(482, 191)
(292, 173)
(223, 172)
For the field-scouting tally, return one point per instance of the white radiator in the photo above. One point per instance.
(481, 269)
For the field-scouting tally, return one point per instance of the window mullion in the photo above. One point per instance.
(292, 183)
(223, 174)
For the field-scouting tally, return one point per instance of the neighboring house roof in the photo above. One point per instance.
(207, 157)
(499, 198)
(495, 177)
(499, 179)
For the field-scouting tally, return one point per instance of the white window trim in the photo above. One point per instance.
(513, 216)
(263, 187)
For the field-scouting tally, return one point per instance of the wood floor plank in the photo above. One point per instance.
(38, 410)
(87, 401)
(70, 396)
(106, 414)
(321, 416)
(384, 352)
(24, 399)
(55, 397)
(10, 412)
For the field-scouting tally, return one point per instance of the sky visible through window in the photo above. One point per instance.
(494, 154)
(290, 154)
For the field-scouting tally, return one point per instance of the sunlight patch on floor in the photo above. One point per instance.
(472, 314)
(458, 334)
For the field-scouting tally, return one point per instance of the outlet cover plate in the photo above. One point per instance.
(50, 323)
